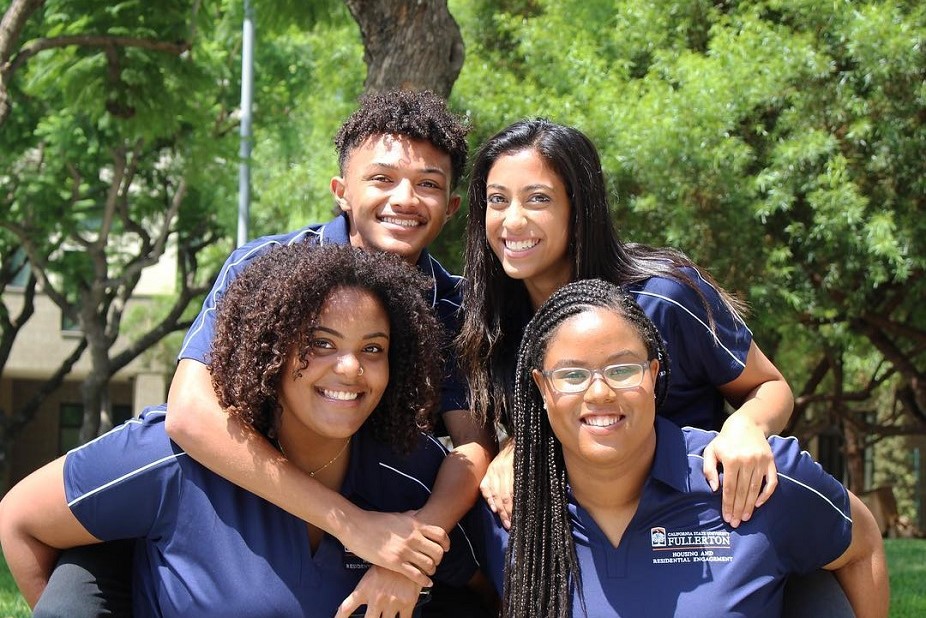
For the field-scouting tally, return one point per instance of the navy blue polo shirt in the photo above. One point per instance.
(206, 547)
(679, 558)
(700, 359)
(445, 298)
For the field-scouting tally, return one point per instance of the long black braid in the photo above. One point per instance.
(542, 567)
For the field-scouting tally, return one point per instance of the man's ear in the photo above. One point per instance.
(453, 206)
(338, 188)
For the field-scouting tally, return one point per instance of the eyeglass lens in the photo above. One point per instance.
(578, 379)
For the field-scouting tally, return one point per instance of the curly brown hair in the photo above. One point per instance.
(419, 115)
(269, 312)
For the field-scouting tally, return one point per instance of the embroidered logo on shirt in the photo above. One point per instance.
(354, 562)
(680, 547)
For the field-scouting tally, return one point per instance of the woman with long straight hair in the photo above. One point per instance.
(539, 218)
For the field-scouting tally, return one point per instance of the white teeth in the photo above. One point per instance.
(600, 421)
(520, 245)
(341, 395)
(402, 222)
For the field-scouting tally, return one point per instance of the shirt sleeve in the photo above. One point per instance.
(709, 355)
(491, 543)
(811, 522)
(125, 483)
(197, 344)
(454, 391)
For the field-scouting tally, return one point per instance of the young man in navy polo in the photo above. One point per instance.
(401, 155)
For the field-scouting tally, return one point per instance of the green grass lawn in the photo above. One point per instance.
(906, 559)
(906, 563)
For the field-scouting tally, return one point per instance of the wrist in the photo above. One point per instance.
(741, 420)
(344, 520)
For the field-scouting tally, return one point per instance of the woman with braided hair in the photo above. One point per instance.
(538, 219)
(612, 513)
(330, 353)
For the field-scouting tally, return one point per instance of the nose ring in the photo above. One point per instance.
(360, 373)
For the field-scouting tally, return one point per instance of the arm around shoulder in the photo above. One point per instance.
(236, 451)
(457, 485)
(862, 569)
(761, 393)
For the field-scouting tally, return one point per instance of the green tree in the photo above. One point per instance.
(778, 142)
(117, 133)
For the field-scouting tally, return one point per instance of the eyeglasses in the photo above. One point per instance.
(573, 380)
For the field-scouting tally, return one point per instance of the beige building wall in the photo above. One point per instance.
(39, 350)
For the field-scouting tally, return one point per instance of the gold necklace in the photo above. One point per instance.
(333, 459)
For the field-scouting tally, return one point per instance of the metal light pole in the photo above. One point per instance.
(247, 96)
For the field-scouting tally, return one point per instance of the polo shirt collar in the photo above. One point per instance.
(670, 463)
(335, 232)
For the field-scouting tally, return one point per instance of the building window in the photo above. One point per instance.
(69, 422)
(72, 417)
(21, 268)
(69, 326)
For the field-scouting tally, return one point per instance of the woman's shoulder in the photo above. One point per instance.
(689, 296)
(681, 282)
(426, 456)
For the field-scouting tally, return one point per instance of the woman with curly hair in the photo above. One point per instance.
(612, 514)
(332, 354)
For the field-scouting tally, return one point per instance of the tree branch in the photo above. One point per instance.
(32, 48)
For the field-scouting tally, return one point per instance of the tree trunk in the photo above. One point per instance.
(11, 25)
(408, 44)
(6, 451)
(855, 457)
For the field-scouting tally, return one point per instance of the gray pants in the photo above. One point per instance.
(817, 595)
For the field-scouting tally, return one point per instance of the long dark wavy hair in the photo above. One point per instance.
(269, 313)
(542, 568)
(497, 306)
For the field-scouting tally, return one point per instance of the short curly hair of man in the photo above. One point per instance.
(420, 115)
(269, 312)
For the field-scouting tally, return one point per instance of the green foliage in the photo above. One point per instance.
(307, 82)
(76, 106)
(777, 142)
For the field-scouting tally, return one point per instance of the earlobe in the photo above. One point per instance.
(338, 188)
(541, 386)
(452, 206)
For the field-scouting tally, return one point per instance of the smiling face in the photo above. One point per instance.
(346, 373)
(602, 425)
(397, 194)
(528, 222)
